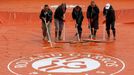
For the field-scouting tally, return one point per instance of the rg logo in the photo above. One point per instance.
(66, 64)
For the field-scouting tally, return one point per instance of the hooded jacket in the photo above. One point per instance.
(77, 15)
(109, 14)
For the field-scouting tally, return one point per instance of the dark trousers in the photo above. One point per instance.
(79, 28)
(110, 25)
(94, 26)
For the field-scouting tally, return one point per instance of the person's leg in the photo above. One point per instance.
(61, 25)
(49, 32)
(44, 30)
(113, 29)
(91, 30)
(44, 34)
(56, 28)
(95, 31)
(79, 30)
(96, 27)
(108, 29)
(49, 28)
(108, 33)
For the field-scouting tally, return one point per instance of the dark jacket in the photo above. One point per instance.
(93, 13)
(110, 14)
(59, 13)
(77, 15)
(46, 14)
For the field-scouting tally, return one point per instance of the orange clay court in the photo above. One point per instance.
(23, 52)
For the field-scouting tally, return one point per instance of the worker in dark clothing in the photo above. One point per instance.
(77, 15)
(46, 17)
(93, 18)
(59, 20)
(109, 14)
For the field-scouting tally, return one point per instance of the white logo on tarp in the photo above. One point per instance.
(66, 63)
(56, 64)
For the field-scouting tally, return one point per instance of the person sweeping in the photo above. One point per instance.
(59, 20)
(46, 17)
(93, 18)
(109, 14)
(77, 15)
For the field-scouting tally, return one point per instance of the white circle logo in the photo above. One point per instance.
(66, 64)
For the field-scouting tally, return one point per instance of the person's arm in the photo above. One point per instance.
(113, 14)
(50, 15)
(41, 14)
(73, 14)
(88, 13)
(61, 14)
(104, 14)
(104, 11)
(58, 13)
(81, 16)
(97, 10)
